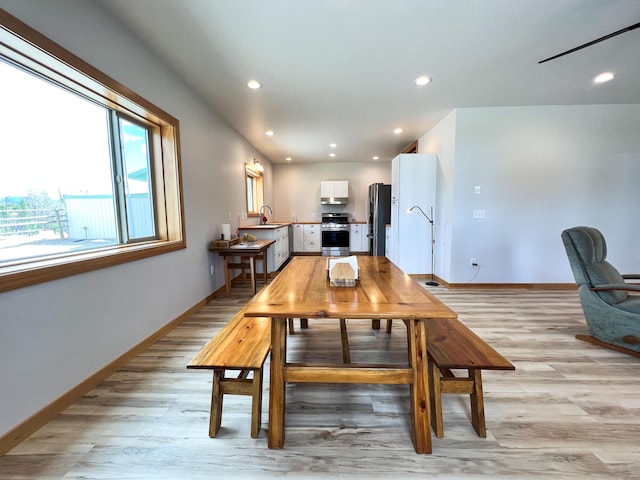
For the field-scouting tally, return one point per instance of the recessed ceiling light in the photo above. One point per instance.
(423, 80)
(288, 159)
(376, 158)
(333, 145)
(604, 77)
(332, 154)
(397, 131)
(269, 133)
(254, 84)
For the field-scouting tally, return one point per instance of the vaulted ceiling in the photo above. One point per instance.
(343, 71)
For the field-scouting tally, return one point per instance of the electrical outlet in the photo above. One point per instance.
(474, 262)
(212, 269)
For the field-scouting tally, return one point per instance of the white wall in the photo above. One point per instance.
(441, 141)
(55, 335)
(541, 170)
(297, 188)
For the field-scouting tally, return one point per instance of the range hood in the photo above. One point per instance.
(334, 200)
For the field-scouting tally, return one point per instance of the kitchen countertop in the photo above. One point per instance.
(266, 226)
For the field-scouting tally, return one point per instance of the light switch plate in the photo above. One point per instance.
(478, 214)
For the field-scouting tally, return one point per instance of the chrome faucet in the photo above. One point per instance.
(261, 211)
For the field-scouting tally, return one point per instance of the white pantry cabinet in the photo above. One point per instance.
(413, 182)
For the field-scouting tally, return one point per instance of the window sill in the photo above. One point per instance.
(35, 272)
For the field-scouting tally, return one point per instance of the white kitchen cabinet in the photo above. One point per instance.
(312, 238)
(278, 252)
(281, 250)
(298, 237)
(413, 182)
(334, 189)
(358, 240)
(307, 238)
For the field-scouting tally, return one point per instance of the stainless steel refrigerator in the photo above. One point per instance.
(379, 210)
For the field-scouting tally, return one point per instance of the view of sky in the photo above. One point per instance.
(52, 140)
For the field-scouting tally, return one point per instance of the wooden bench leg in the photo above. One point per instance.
(292, 329)
(436, 399)
(444, 381)
(256, 403)
(346, 355)
(375, 324)
(389, 325)
(477, 403)
(240, 386)
(215, 414)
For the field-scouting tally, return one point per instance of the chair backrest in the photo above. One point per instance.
(587, 252)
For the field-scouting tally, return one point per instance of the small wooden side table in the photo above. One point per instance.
(253, 251)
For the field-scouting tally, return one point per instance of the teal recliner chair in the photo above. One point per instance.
(611, 306)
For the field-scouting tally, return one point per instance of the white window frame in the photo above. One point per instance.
(24, 46)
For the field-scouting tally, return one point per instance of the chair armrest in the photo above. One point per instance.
(616, 286)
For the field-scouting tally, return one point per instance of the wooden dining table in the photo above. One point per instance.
(382, 291)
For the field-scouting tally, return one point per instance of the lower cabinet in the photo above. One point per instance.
(281, 248)
(277, 253)
(298, 237)
(358, 240)
(312, 238)
(307, 238)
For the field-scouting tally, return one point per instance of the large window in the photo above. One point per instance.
(89, 171)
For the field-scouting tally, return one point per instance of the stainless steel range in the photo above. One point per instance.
(335, 234)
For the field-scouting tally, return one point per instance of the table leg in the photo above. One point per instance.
(420, 414)
(277, 385)
(344, 337)
(227, 276)
(265, 271)
(477, 403)
(252, 267)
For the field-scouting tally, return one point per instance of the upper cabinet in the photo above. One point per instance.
(334, 192)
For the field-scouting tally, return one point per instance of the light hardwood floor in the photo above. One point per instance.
(570, 410)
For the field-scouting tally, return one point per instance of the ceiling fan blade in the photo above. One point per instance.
(593, 42)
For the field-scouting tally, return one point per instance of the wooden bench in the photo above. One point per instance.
(243, 344)
(452, 345)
